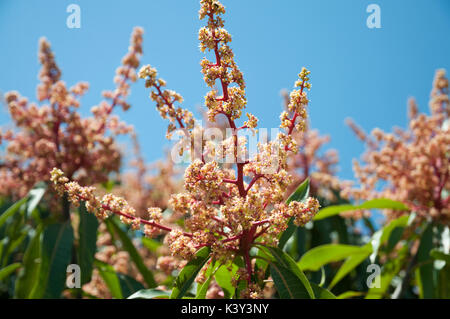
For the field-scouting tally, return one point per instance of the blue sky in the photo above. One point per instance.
(357, 72)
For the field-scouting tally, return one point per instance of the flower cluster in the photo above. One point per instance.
(412, 166)
(228, 209)
(165, 101)
(310, 162)
(54, 134)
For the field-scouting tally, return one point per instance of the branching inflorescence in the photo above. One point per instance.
(56, 135)
(310, 162)
(412, 166)
(226, 209)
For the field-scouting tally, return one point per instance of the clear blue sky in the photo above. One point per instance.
(366, 74)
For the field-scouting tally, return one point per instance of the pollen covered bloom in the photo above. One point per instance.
(228, 207)
(413, 165)
(53, 133)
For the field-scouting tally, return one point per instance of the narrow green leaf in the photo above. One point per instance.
(395, 237)
(134, 254)
(370, 249)
(223, 277)
(150, 294)
(300, 194)
(189, 272)
(381, 203)
(29, 276)
(322, 255)
(443, 280)
(87, 239)
(129, 285)
(12, 210)
(388, 272)
(3, 242)
(283, 268)
(56, 255)
(8, 270)
(323, 277)
(424, 273)
(110, 278)
(12, 246)
(322, 293)
(349, 294)
(350, 263)
(381, 236)
(203, 288)
(287, 283)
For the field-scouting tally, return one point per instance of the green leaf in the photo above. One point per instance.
(129, 285)
(370, 249)
(381, 236)
(290, 281)
(110, 278)
(442, 257)
(189, 272)
(425, 272)
(260, 262)
(287, 283)
(381, 203)
(300, 194)
(12, 210)
(349, 294)
(3, 242)
(388, 272)
(203, 289)
(8, 270)
(87, 239)
(223, 277)
(12, 246)
(56, 255)
(134, 254)
(350, 263)
(150, 294)
(29, 276)
(322, 293)
(395, 237)
(322, 255)
(31, 200)
(443, 286)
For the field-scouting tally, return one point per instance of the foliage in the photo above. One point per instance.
(233, 230)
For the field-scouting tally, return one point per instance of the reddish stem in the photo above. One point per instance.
(169, 104)
(262, 231)
(142, 221)
(115, 99)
